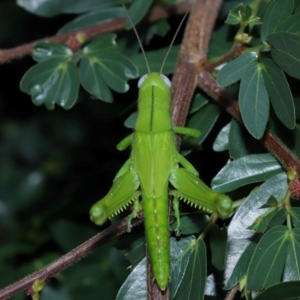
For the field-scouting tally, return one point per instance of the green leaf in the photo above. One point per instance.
(292, 264)
(155, 59)
(193, 284)
(79, 6)
(295, 214)
(204, 120)
(260, 224)
(221, 141)
(281, 291)
(239, 237)
(101, 70)
(297, 6)
(106, 42)
(92, 81)
(235, 15)
(285, 52)
(245, 170)
(241, 266)
(218, 246)
(252, 21)
(46, 8)
(160, 28)
(279, 217)
(52, 293)
(272, 202)
(233, 19)
(234, 70)
(47, 50)
(231, 5)
(70, 234)
(94, 17)
(135, 286)
(268, 260)
(130, 121)
(52, 81)
(254, 101)
(291, 24)
(273, 217)
(240, 141)
(181, 253)
(198, 102)
(191, 224)
(279, 93)
(137, 12)
(277, 12)
(41, 8)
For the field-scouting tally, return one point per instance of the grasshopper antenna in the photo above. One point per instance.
(139, 40)
(172, 42)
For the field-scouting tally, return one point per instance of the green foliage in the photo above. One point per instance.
(101, 69)
(55, 165)
(51, 8)
(258, 167)
(261, 70)
(94, 17)
(137, 11)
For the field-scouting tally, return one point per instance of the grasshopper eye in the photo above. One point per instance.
(142, 79)
(166, 80)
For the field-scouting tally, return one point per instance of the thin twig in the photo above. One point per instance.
(231, 294)
(232, 53)
(68, 259)
(157, 13)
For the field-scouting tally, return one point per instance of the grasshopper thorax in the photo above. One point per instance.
(155, 104)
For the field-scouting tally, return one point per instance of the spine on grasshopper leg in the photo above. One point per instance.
(157, 236)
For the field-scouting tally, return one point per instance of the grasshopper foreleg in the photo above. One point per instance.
(192, 132)
(136, 209)
(177, 215)
(125, 143)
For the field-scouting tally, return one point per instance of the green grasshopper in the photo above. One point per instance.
(155, 163)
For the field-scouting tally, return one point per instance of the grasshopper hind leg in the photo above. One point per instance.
(191, 189)
(122, 193)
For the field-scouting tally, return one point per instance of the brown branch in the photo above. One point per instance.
(68, 259)
(231, 294)
(192, 56)
(232, 53)
(157, 13)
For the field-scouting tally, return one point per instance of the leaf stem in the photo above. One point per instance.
(206, 229)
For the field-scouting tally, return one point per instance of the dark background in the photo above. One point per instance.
(53, 166)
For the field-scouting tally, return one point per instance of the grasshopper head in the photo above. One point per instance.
(98, 214)
(154, 79)
(224, 206)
